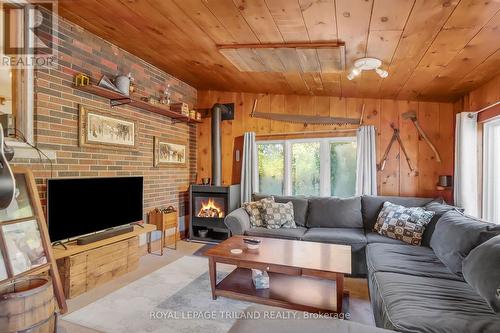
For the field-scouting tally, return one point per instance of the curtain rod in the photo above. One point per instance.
(342, 130)
(471, 114)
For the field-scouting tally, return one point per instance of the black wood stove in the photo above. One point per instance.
(210, 204)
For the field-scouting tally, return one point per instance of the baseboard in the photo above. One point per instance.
(155, 245)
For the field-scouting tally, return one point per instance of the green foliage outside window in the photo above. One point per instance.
(271, 168)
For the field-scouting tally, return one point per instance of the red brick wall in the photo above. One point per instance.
(56, 120)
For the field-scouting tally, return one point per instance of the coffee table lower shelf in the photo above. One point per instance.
(300, 293)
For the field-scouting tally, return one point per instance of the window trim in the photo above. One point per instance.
(325, 186)
(26, 115)
(488, 172)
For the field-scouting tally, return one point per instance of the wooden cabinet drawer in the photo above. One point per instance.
(83, 271)
(272, 268)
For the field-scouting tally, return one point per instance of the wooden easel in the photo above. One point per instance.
(50, 266)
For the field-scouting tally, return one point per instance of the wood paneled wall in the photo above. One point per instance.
(437, 119)
(484, 96)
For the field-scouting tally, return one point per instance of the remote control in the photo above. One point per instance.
(251, 241)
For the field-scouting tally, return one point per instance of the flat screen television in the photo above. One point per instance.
(81, 206)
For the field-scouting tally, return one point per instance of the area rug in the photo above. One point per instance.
(201, 251)
(175, 298)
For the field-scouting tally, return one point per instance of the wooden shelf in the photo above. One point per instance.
(116, 99)
(292, 292)
(72, 248)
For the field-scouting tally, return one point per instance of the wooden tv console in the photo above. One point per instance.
(82, 267)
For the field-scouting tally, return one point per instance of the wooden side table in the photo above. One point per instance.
(163, 222)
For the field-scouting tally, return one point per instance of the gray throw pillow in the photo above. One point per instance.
(406, 224)
(481, 269)
(254, 210)
(439, 210)
(300, 204)
(456, 235)
(332, 212)
(278, 215)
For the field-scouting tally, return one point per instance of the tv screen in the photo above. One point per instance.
(81, 206)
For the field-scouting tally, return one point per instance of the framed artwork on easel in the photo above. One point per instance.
(25, 247)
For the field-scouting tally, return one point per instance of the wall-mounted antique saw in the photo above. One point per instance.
(306, 120)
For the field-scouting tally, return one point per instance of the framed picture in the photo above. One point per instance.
(3, 269)
(24, 246)
(20, 207)
(169, 153)
(99, 129)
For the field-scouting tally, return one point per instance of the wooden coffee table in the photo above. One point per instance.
(300, 273)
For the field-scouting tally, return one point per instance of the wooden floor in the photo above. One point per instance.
(359, 304)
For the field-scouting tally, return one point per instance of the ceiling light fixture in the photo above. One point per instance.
(367, 64)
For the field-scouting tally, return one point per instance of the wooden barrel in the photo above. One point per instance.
(27, 305)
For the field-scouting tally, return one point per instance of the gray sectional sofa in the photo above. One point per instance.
(412, 288)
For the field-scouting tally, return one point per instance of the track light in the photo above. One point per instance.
(367, 64)
(382, 73)
(354, 72)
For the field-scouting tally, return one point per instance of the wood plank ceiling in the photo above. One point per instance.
(432, 49)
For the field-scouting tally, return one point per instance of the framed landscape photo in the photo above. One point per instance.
(167, 152)
(99, 129)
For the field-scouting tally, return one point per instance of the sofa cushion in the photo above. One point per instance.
(375, 237)
(481, 269)
(254, 210)
(456, 235)
(344, 236)
(331, 212)
(278, 215)
(371, 206)
(404, 223)
(403, 259)
(408, 303)
(300, 204)
(295, 233)
(439, 210)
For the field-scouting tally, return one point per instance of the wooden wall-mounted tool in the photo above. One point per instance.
(395, 137)
(307, 120)
(412, 115)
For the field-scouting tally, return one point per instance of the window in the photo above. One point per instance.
(306, 168)
(16, 86)
(313, 167)
(491, 171)
(271, 167)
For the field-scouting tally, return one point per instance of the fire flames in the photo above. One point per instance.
(210, 209)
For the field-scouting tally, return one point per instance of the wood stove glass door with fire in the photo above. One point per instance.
(208, 213)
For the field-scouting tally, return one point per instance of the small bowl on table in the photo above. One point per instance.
(251, 244)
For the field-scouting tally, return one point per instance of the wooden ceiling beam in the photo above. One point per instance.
(306, 45)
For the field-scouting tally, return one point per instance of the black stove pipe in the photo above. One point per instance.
(217, 110)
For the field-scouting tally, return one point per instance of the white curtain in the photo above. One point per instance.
(491, 173)
(249, 168)
(366, 167)
(466, 173)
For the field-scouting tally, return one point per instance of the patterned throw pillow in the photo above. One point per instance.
(403, 223)
(278, 215)
(254, 210)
